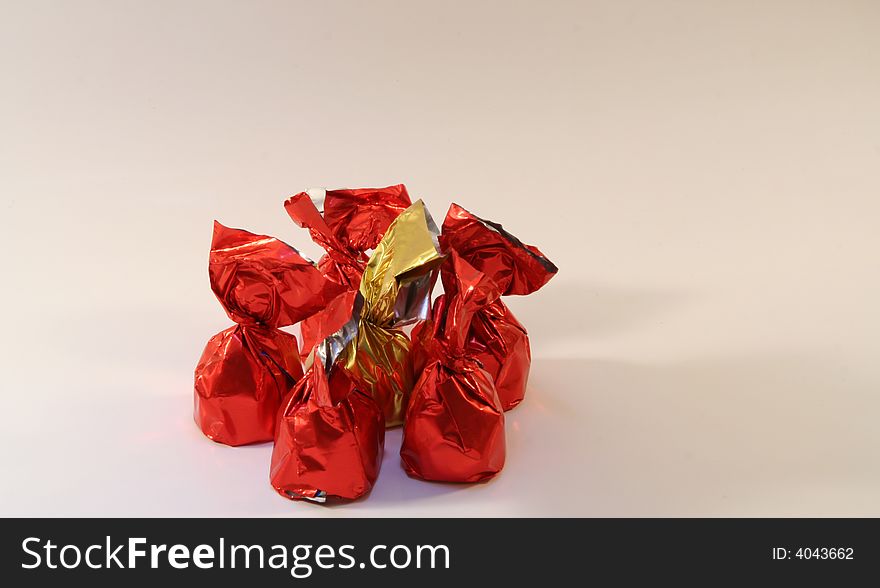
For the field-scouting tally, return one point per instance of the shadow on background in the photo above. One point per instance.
(567, 311)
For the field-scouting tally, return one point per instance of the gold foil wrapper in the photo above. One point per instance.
(400, 272)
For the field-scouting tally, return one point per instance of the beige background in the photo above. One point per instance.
(705, 175)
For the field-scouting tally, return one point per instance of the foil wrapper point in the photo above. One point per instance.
(246, 370)
(497, 339)
(454, 427)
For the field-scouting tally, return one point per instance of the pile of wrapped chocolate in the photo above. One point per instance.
(373, 351)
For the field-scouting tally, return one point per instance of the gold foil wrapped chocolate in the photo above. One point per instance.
(396, 289)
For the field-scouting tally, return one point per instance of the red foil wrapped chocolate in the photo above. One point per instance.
(246, 370)
(497, 340)
(454, 427)
(352, 223)
(329, 439)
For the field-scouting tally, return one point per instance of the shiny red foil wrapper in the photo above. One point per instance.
(329, 439)
(246, 370)
(497, 339)
(454, 427)
(352, 223)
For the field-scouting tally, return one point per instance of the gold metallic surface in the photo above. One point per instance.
(379, 359)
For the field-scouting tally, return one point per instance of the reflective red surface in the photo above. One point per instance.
(329, 440)
(497, 339)
(454, 427)
(245, 370)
